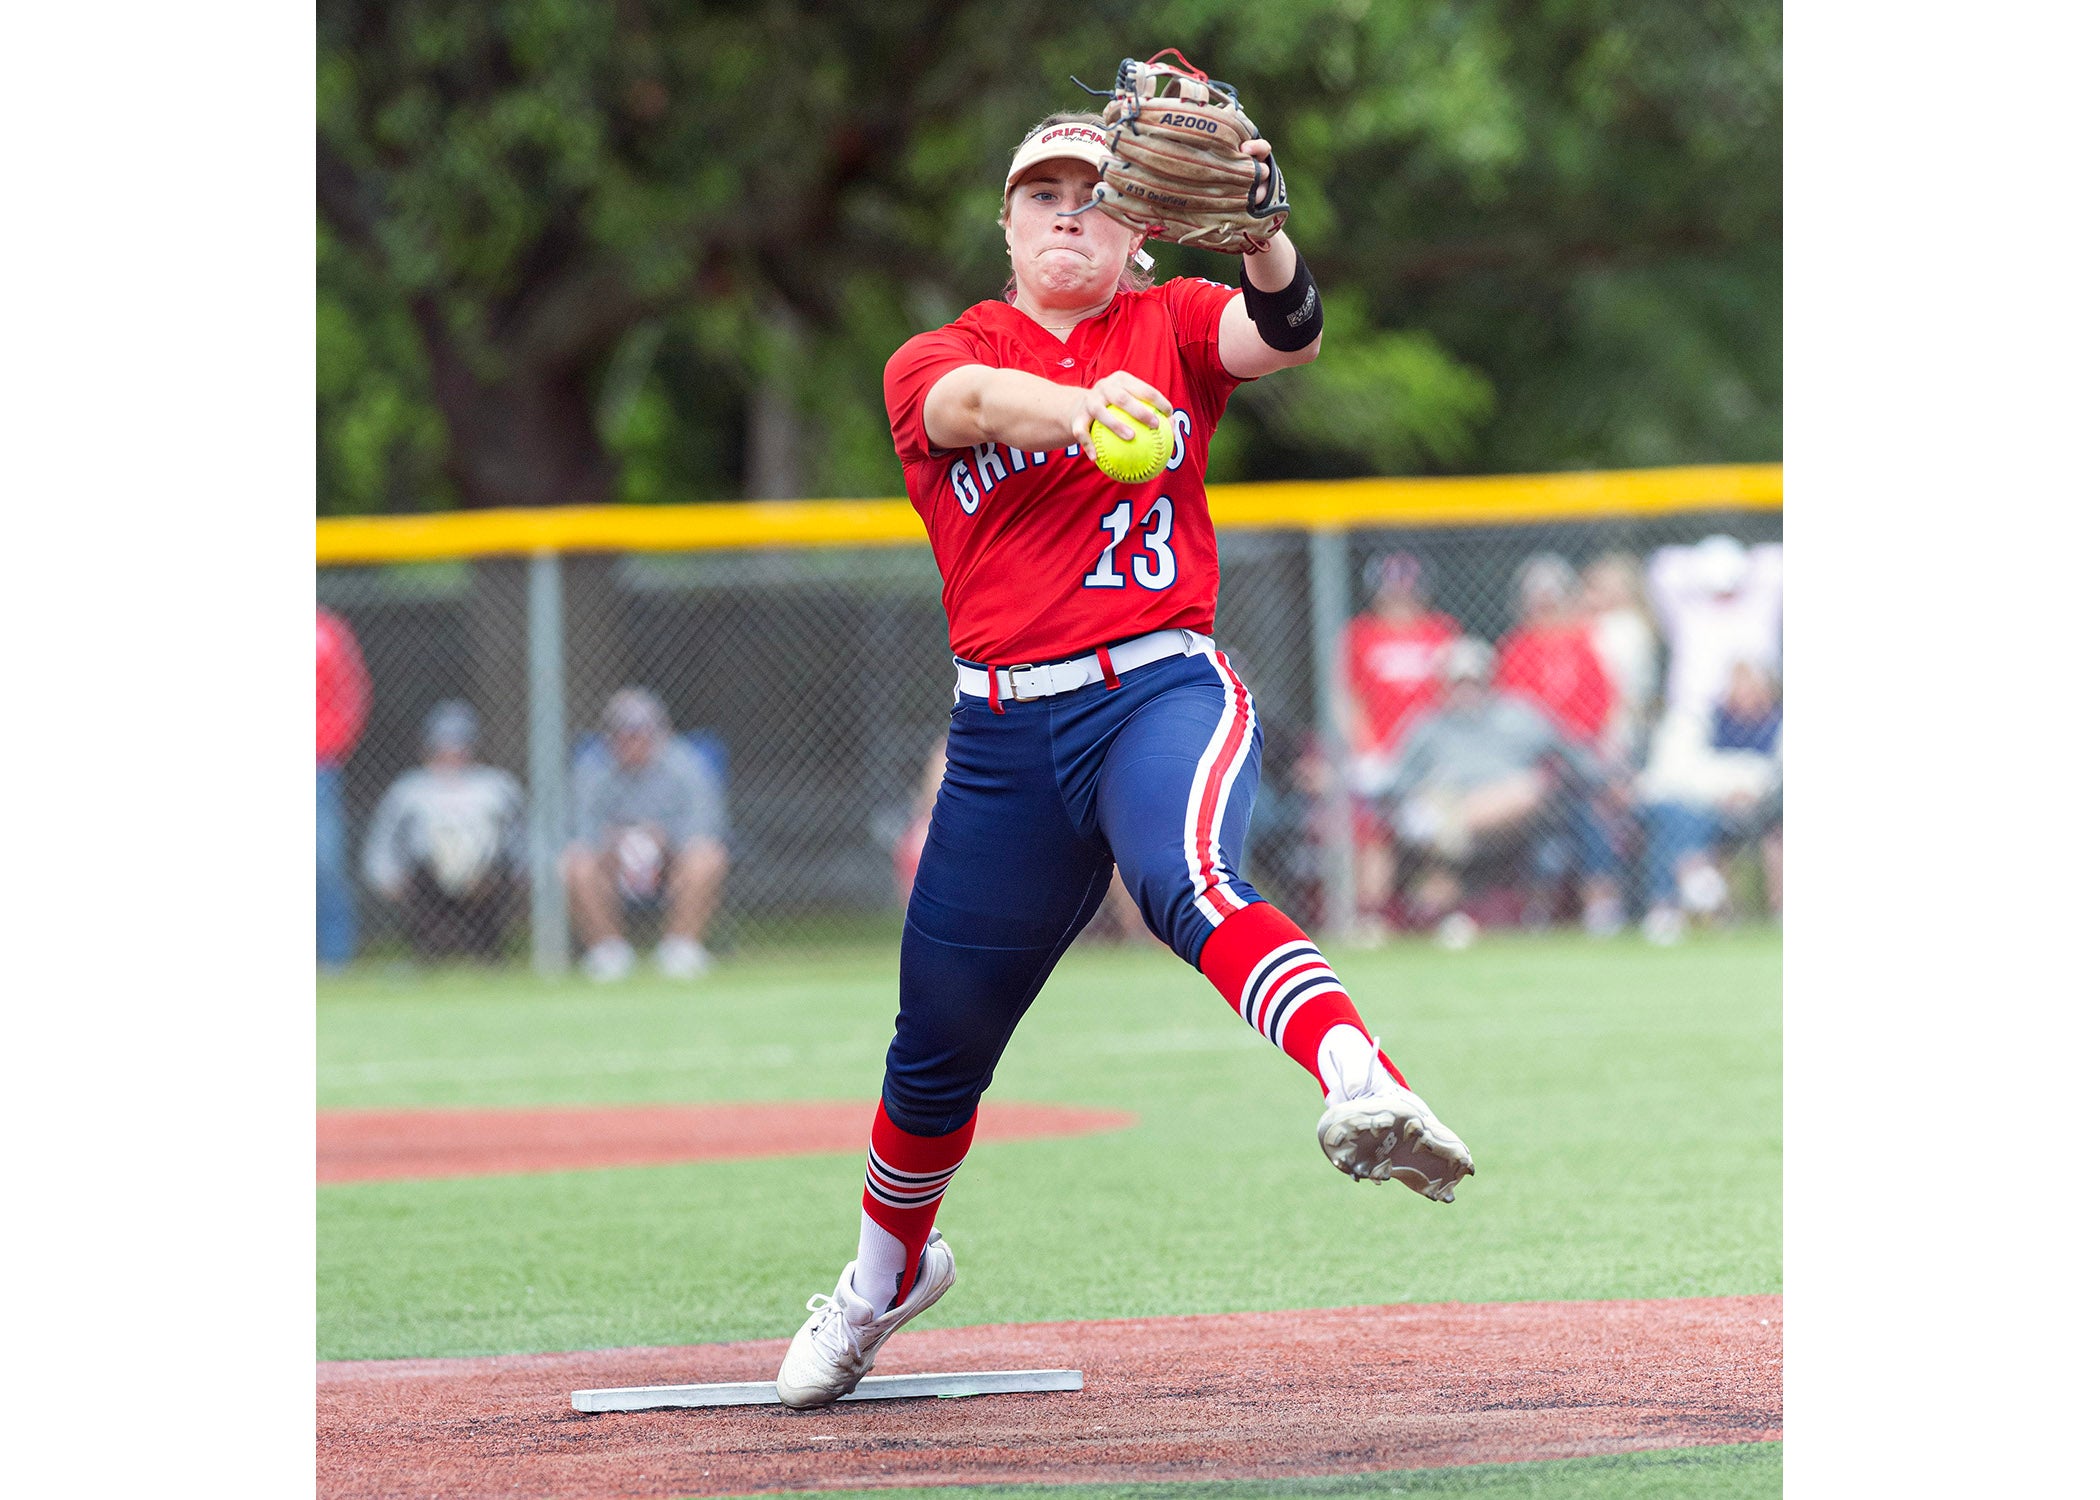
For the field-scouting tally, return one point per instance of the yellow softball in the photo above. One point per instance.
(1133, 460)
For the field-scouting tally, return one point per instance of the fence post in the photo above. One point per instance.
(547, 721)
(1328, 556)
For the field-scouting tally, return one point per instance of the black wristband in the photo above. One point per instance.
(1289, 319)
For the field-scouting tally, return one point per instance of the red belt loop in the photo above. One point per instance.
(991, 677)
(1108, 673)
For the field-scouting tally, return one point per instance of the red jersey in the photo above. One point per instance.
(1043, 556)
(343, 691)
(1556, 667)
(1393, 672)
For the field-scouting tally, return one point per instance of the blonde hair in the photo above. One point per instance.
(1135, 278)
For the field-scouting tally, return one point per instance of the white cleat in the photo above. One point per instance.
(1377, 1129)
(837, 1346)
(1395, 1137)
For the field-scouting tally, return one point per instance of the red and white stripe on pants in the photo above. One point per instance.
(1204, 823)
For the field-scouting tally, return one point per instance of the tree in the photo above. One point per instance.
(576, 251)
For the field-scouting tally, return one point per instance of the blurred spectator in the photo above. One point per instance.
(1476, 784)
(1718, 604)
(1286, 836)
(1391, 654)
(343, 699)
(1712, 783)
(650, 832)
(1623, 635)
(1548, 659)
(446, 847)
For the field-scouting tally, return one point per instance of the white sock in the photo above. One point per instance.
(879, 1266)
(1349, 1065)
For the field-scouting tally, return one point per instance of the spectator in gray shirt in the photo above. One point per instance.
(650, 832)
(446, 845)
(1477, 779)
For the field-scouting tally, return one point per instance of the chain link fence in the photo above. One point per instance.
(809, 689)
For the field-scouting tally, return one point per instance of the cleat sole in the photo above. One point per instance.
(1392, 1140)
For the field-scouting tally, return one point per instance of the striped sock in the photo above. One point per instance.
(906, 1176)
(1275, 976)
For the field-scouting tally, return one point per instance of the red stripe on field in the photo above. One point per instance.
(374, 1145)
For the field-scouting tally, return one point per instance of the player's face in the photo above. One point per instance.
(1063, 261)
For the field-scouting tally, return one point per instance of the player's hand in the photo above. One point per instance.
(1122, 389)
(1265, 167)
(1261, 151)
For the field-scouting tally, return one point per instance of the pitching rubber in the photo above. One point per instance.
(873, 1388)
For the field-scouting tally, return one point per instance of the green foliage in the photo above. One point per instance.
(381, 439)
(1737, 1471)
(1548, 229)
(1390, 401)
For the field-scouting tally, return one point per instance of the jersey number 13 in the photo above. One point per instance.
(1154, 572)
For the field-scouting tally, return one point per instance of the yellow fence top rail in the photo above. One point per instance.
(1299, 505)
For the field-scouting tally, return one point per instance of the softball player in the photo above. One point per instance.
(1096, 726)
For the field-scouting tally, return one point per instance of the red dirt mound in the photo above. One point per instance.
(367, 1145)
(1249, 1396)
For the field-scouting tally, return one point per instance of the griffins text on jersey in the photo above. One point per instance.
(976, 473)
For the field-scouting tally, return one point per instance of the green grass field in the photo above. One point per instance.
(1623, 1104)
(1717, 1473)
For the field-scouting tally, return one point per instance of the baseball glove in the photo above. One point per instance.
(1175, 170)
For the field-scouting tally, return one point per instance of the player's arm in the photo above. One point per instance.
(591, 797)
(385, 870)
(1417, 754)
(1274, 322)
(979, 404)
(1360, 727)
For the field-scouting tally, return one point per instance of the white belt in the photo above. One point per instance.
(1023, 683)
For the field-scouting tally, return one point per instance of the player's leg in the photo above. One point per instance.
(695, 888)
(1003, 886)
(429, 925)
(1174, 798)
(595, 910)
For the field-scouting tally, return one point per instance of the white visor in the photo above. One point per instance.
(1073, 138)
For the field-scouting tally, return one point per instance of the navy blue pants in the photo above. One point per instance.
(1040, 806)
